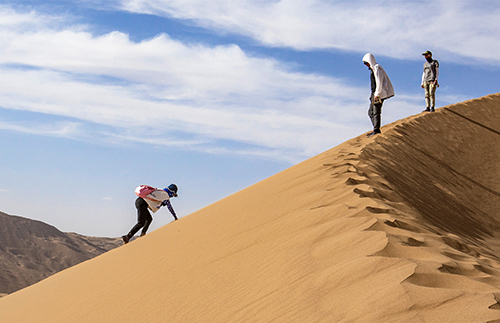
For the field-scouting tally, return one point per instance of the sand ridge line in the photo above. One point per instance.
(473, 121)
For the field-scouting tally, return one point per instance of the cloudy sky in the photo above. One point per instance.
(99, 96)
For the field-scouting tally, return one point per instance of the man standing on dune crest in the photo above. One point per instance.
(382, 89)
(430, 81)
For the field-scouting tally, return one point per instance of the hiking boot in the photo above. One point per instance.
(126, 239)
(375, 133)
(427, 110)
(432, 110)
(369, 134)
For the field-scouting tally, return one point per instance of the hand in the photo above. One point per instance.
(376, 99)
(422, 86)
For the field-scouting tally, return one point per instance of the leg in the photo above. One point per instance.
(142, 216)
(427, 96)
(370, 111)
(376, 116)
(148, 221)
(432, 95)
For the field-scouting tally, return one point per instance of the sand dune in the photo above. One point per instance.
(400, 228)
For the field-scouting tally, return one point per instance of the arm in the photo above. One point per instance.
(170, 208)
(378, 81)
(383, 88)
(437, 72)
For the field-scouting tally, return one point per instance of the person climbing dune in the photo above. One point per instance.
(150, 198)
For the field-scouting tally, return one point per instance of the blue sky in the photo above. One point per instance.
(97, 97)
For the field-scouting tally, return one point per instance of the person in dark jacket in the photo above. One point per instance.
(153, 201)
(382, 89)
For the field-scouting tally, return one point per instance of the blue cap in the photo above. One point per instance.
(172, 188)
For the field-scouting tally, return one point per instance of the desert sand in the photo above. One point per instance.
(402, 227)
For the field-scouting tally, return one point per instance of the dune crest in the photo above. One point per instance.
(400, 228)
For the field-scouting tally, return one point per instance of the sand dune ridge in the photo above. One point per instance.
(400, 228)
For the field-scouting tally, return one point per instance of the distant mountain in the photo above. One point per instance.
(32, 250)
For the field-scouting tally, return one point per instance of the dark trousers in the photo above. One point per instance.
(144, 218)
(374, 112)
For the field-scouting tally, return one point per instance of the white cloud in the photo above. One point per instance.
(57, 129)
(167, 93)
(401, 29)
(164, 92)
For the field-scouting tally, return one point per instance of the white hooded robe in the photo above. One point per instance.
(384, 89)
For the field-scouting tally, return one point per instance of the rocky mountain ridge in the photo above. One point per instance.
(31, 250)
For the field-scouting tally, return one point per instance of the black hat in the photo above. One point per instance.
(427, 53)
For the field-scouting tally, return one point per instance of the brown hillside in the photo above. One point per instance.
(32, 250)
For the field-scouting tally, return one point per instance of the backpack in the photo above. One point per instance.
(144, 190)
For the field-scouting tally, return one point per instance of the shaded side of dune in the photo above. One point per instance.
(435, 177)
(446, 167)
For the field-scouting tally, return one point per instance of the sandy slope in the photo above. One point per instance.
(397, 229)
